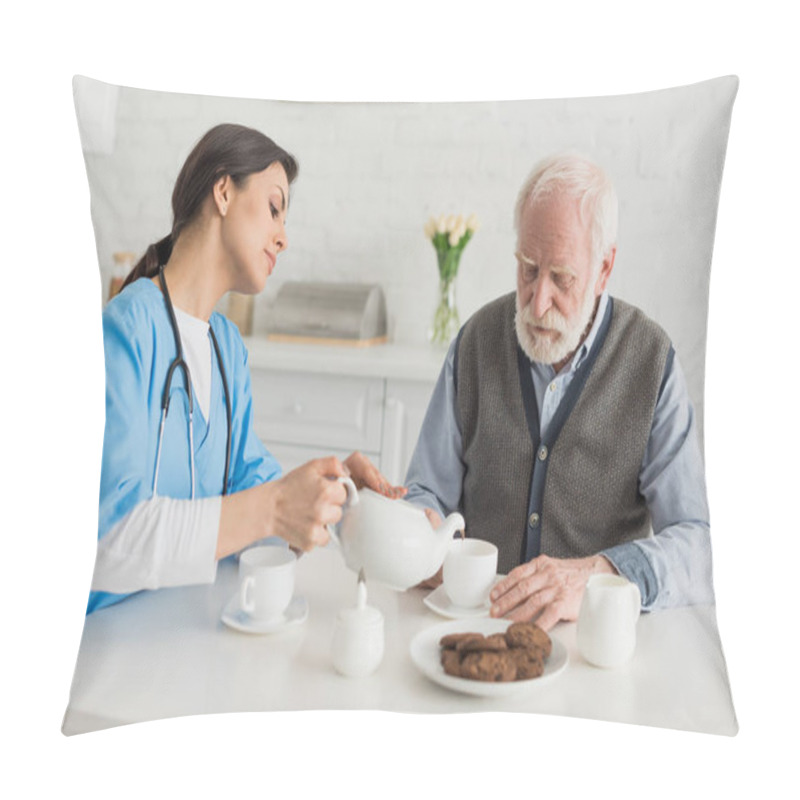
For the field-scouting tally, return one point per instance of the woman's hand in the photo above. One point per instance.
(365, 473)
(297, 507)
(308, 500)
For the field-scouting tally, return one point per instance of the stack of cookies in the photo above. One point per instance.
(516, 655)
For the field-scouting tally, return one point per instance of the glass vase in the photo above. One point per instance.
(445, 320)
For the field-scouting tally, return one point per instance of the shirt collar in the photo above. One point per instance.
(190, 322)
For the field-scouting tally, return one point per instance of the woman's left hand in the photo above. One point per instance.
(365, 473)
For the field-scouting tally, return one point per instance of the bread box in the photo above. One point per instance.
(329, 313)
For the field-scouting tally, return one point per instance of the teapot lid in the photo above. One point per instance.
(397, 504)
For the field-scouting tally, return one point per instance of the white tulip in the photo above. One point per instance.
(457, 233)
(472, 223)
(430, 228)
(450, 224)
(440, 224)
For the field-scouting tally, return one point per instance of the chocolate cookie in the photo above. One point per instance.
(451, 662)
(450, 641)
(494, 642)
(527, 635)
(529, 662)
(472, 641)
(486, 665)
(498, 640)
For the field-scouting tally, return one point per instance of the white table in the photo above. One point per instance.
(167, 653)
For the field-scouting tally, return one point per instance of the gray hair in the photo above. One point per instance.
(580, 178)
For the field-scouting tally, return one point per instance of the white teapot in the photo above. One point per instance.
(391, 540)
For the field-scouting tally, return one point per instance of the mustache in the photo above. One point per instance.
(551, 320)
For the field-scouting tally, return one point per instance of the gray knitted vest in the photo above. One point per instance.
(577, 492)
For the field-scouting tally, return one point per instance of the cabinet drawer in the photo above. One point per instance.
(406, 406)
(324, 411)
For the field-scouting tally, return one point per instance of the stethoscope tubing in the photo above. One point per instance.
(228, 413)
(180, 364)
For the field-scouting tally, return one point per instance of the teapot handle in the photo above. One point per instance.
(246, 594)
(352, 499)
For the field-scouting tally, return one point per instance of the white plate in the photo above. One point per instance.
(426, 654)
(440, 603)
(234, 617)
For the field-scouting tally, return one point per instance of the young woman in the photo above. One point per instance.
(185, 481)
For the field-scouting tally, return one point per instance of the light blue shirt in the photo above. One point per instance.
(139, 346)
(672, 567)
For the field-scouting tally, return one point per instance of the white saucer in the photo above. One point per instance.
(234, 617)
(439, 602)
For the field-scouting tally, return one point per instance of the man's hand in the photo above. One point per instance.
(548, 588)
(365, 473)
(435, 580)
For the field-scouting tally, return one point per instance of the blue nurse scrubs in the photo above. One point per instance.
(139, 347)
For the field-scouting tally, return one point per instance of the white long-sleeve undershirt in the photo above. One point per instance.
(161, 542)
(164, 541)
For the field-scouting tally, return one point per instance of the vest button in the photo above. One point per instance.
(542, 453)
(533, 520)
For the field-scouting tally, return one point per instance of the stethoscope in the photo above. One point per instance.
(180, 363)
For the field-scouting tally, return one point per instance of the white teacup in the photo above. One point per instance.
(266, 581)
(469, 572)
(606, 630)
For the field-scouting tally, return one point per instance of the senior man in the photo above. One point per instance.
(561, 426)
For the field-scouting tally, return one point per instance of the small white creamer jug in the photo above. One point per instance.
(607, 620)
(358, 638)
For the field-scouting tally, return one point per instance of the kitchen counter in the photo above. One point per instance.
(407, 362)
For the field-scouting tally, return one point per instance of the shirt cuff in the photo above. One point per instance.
(631, 562)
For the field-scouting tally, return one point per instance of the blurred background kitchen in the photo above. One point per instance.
(371, 175)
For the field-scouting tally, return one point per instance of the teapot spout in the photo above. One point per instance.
(444, 536)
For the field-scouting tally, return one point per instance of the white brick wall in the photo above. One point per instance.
(371, 174)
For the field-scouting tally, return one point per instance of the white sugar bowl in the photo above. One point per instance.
(358, 637)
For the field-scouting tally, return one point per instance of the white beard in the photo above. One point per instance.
(553, 350)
